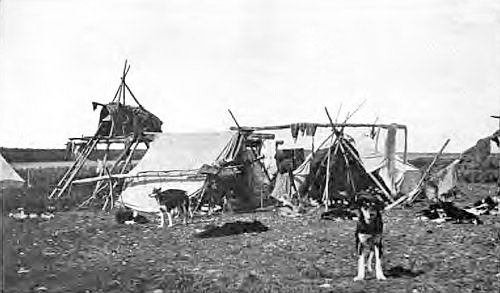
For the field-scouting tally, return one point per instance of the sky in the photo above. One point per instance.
(433, 65)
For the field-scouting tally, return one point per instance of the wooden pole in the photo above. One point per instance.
(405, 154)
(349, 116)
(235, 121)
(325, 125)
(326, 191)
(130, 92)
(101, 172)
(375, 180)
(123, 79)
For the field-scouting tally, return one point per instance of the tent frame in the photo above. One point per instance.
(330, 125)
(88, 144)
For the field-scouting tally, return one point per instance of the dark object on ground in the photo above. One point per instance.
(123, 216)
(450, 212)
(338, 213)
(485, 206)
(234, 228)
(400, 272)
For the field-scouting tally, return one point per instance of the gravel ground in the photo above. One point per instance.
(89, 252)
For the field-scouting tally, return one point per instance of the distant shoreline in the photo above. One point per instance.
(26, 156)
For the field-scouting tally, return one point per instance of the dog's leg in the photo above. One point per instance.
(361, 267)
(369, 262)
(162, 219)
(185, 214)
(170, 224)
(378, 265)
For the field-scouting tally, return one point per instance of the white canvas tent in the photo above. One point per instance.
(172, 162)
(8, 176)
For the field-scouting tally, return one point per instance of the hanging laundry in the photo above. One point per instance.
(295, 130)
(311, 129)
(302, 128)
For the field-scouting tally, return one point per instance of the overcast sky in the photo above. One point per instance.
(433, 65)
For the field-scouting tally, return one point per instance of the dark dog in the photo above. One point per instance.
(369, 231)
(169, 200)
(129, 217)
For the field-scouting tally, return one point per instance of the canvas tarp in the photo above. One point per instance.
(446, 178)
(8, 176)
(181, 153)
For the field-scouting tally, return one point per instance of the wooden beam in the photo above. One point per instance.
(116, 139)
(326, 125)
(235, 121)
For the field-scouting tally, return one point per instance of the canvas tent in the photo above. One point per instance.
(8, 176)
(173, 161)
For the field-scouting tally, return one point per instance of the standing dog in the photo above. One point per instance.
(369, 237)
(169, 200)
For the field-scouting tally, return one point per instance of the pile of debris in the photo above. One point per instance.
(21, 215)
(447, 212)
(489, 205)
(478, 163)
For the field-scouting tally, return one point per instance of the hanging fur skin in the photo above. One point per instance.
(390, 153)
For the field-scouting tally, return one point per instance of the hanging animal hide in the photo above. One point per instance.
(390, 154)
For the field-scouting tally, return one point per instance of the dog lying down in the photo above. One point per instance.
(234, 228)
(489, 205)
(368, 235)
(128, 217)
(447, 211)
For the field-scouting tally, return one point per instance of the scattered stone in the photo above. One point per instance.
(41, 289)
(23, 270)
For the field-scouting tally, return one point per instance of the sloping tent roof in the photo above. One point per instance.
(173, 160)
(8, 176)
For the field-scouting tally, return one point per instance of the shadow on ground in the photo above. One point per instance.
(401, 272)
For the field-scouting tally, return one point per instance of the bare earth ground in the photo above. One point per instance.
(89, 252)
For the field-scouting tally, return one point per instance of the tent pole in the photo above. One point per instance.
(123, 80)
(234, 119)
(130, 92)
(349, 175)
(326, 191)
(370, 174)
